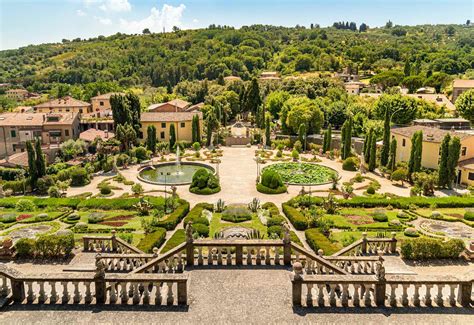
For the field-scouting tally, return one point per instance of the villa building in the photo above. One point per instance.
(460, 86)
(102, 102)
(162, 121)
(64, 105)
(20, 94)
(18, 128)
(432, 138)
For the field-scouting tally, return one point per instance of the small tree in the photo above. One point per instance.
(151, 138)
(137, 189)
(327, 139)
(346, 138)
(367, 142)
(172, 136)
(399, 175)
(393, 155)
(268, 141)
(386, 139)
(373, 152)
(31, 164)
(302, 135)
(40, 159)
(414, 164)
(454, 152)
(443, 174)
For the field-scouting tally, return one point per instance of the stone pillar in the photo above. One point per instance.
(380, 286)
(286, 245)
(238, 255)
(364, 243)
(18, 290)
(85, 242)
(297, 283)
(464, 294)
(183, 293)
(114, 241)
(320, 252)
(99, 280)
(189, 244)
(393, 244)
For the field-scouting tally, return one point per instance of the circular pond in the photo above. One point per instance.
(171, 173)
(302, 173)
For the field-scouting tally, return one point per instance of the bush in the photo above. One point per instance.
(170, 222)
(195, 214)
(122, 160)
(316, 240)
(8, 218)
(178, 238)
(73, 217)
(402, 215)
(295, 154)
(272, 208)
(351, 164)
(25, 205)
(469, 215)
(204, 182)
(379, 216)
(11, 174)
(79, 176)
(151, 240)
(276, 220)
(201, 229)
(25, 247)
(275, 231)
(271, 183)
(140, 153)
(297, 219)
(54, 245)
(370, 190)
(137, 189)
(43, 184)
(54, 192)
(105, 189)
(19, 186)
(267, 190)
(429, 248)
(80, 227)
(95, 218)
(205, 191)
(411, 232)
(236, 214)
(42, 217)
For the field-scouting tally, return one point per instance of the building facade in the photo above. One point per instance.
(102, 102)
(460, 86)
(64, 105)
(162, 121)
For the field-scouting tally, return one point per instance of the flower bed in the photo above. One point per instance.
(302, 173)
(114, 223)
(23, 217)
(120, 218)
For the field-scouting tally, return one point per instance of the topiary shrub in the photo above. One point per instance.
(80, 227)
(411, 232)
(316, 240)
(297, 219)
(370, 190)
(202, 230)
(151, 240)
(25, 205)
(469, 215)
(402, 215)
(105, 189)
(25, 247)
(436, 215)
(73, 217)
(236, 214)
(351, 164)
(429, 248)
(42, 217)
(275, 230)
(8, 218)
(276, 220)
(79, 176)
(271, 183)
(95, 218)
(204, 182)
(380, 216)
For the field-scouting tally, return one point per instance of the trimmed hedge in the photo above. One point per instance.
(117, 204)
(236, 214)
(196, 211)
(272, 208)
(278, 230)
(53, 245)
(151, 240)
(201, 229)
(277, 220)
(405, 202)
(10, 202)
(175, 217)
(205, 191)
(178, 238)
(316, 240)
(267, 190)
(429, 248)
(297, 219)
(469, 215)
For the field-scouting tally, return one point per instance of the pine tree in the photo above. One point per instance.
(386, 139)
(443, 173)
(454, 153)
(302, 135)
(393, 155)
(268, 141)
(373, 152)
(172, 136)
(31, 164)
(40, 159)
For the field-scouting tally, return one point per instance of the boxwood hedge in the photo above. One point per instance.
(151, 240)
(298, 220)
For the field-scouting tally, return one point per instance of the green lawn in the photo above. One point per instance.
(353, 218)
(217, 225)
(448, 214)
(346, 238)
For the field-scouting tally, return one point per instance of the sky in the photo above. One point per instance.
(24, 22)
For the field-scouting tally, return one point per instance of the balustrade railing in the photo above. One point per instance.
(108, 244)
(124, 263)
(370, 246)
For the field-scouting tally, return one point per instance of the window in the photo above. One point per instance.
(403, 142)
(55, 133)
(162, 135)
(66, 133)
(101, 103)
(471, 176)
(463, 151)
(163, 125)
(183, 124)
(13, 133)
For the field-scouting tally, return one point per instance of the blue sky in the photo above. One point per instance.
(24, 22)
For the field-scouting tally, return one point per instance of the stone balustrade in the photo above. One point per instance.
(370, 246)
(90, 288)
(373, 291)
(108, 244)
(355, 264)
(124, 263)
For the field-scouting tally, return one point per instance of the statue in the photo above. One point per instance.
(286, 233)
(380, 270)
(100, 267)
(189, 232)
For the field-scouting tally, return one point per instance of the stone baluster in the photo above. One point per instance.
(277, 256)
(182, 288)
(65, 298)
(393, 295)
(356, 297)
(30, 295)
(320, 295)
(332, 295)
(200, 258)
(427, 299)
(405, 300)
(267, 255)
(189, 244)
(367, 298)
(249, 255)
(169, 295)
(393, 243)
(439, 296)
(113, 293)
(345, 295)
(146, 293)
(229, 256)
(363, 245)
(416, 296)
(309, 295)
(77, 294)
(219, 256)
(158, 293)
(297, 283)
(452, 295)
(258, 257)
(352, 267)
(136, 293)
(180, 266)
(210, 257)
(238, 255)
(42, 293)
(88, 295)
(54, 296)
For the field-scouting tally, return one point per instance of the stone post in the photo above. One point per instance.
(183, 293)
(18, 290)
(189, 244)
(238, 255)
(380, 286)
(320, 252)
(155, 252)
(364, 243)
(464, 294)
(85, 242)
(393, 244)
(286, 245)
(297, 283)
(99, 280)
(114, 241)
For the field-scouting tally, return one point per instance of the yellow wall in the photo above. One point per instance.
(182, 133)
(465, 177)
(63, 109)
(97, 107)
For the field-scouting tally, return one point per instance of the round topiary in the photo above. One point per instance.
(379, 216)
(80, 227)
(436, 214)
(394, 222)
(402, 215)
(351, 164)
(42, 217)
(271, 179)
(201, 229)
(73, 217)
(411, 232)
(370, 190)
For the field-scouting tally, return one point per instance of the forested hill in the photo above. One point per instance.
(165, 59)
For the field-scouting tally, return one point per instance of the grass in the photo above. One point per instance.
(217, 225)
(134, 223)
(342, 219)
(178, 238)
(447, 214)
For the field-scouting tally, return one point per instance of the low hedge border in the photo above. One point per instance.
(152, 240)
(316, 240)
(297, 219)
(196, 212)
(204, 191)
(178, 238)
(175, 217)
(267, 190)
(429, 248)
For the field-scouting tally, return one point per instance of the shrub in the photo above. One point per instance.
(272, 208)
(170, 222)
(379, 216)
(370, 190)
(429, 248)
(137, 189)
(411, 232)
(11, 174)
(44, 183)
(402, 215)
(79, 176)
(275, 230)
(351, 164)
(95, 218)
(295, 154)
(395, 222)
(42, 217)
(297, 219)
(469, 215)
(271, 183)
(117, 204)
(25, 247)
(8, 218)
(266, 190)
(236, 214)
(178, 238)
(195, 215)
(54, 245)
(54, 192)
(298, 146)
(316, 240)
(73, 217)
(201, 229)
(19, 186)
(140, 153)
(80, 227)
(276, 220)
(204, 182)
(105, 189)
(25, 205)
(151, 240)
(122, 160)
(436, 215)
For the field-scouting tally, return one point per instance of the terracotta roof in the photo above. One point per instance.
(60, 118)
(179, 103)
(467, 164)
(20, 91)
(17, 159)
(429, 134)
(438, 99)
(168, 116)
(196, 107)
(91, 134)
(462, 83)
(67, 101)
(23, 109)
(21, 119)
(107, 96)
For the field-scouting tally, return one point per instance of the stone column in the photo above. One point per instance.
(114, 241)
(183, 293)
(189, 244)
(364, 243)
(286, 245)
(380, 286)
(99, 280)
(238, 255)
(464, 294)
(297, 283)
(393, 244)
(18, 290)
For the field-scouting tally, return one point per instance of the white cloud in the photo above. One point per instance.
(167, 17)
(103, 21)
(80, 13)
(116, 5)
(195, 20)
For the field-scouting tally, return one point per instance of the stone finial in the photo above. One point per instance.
(189, 232)
(100, 267)
(113, 232)
(380, 270)
(364, 235)
(394, 234)
(297, 271)
(320, 252)
(286, 233)
(174, 189)
(155, 251)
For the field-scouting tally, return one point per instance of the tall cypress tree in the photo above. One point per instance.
(134, 112)
(367, 142)
(252, 99)
(373, 152)
(346, 138)
(194, 129)
(40, 159)
(414, 164)
(329, 138)
(198, 129)
(151, 138)
(268, 141)
(443, 173)
(454, 152)
(343, 139)
(172, 136)
(386, 139)
(31, 164)
(393, 155)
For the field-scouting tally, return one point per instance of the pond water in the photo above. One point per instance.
(171, 174)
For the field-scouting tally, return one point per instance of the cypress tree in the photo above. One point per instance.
(194, 129)
(329, 138)
(414, 164)
(367, 142)
(373, 152)
(346, 138)
(268, 141)
(419, 151)
(252, 99)
(343, 139)
(386, 139)
(393, 153)
(151, 138)
(31, 164)
(454, 152)
(443, 173)
(302, 135)
(198, 129)
(172, 136)
(40, 159)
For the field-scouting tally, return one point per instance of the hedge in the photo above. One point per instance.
(267, 190)
(405, 202)
(297, 219)
(272, 208)
(205, 191)
(201, 229)
(175, 217)
(117, 204)
(53, 245)
(10, 202)
(11, 174)
(151, 240)
(429, 248)
(178, 238)
(316, 240)
(196, 212)
(277, 220)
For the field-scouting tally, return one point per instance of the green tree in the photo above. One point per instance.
(302, 110)
(373, 153)
(126, 135)
(275, 101)
(407, 68)
(465, 105)
(302, 135)
(346, 138)
(443, 172)
(403, 109)
(252, 99)
(454, 153)
(386, 140)
(327, 139)
(151, 138)
(393, 155)
(413, 83)
(172, 136)
(414, 163)
(31, 164)
(40, 159)
(268, 141)
(367, 143)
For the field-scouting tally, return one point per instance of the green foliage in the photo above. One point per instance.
(79, 176)
(25, 247)
(137, 189)
(414, 164)
(25, 205)
(297, 219)
(201, 229)
(469, 215)
(411, 232)
(373, 153)
(384, 154)
(380, 216)
(47, 246)
(174, 218)
(11, 174)
(399, 175)
(392, 155)
(327, 139)
(304, 173)
(351, 164)
(195, 215)
(443, 172)
(428, 248)
(151, 138)
(236, 214)
(346, 139)
(116, 204)
(152, 240)
(316, 240)
(271, 179)
(204, 182)
(176, 239)
(453, 158)
(465, 105)
(172, 136)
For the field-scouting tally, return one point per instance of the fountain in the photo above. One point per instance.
(178, 163)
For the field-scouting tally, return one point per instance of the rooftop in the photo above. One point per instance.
(168, 116)
(462, 83)
(438, 99)
(67, 101)
(430, 134)
(36, 119)
(91, 134)
(106, 96)
(179, 103)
